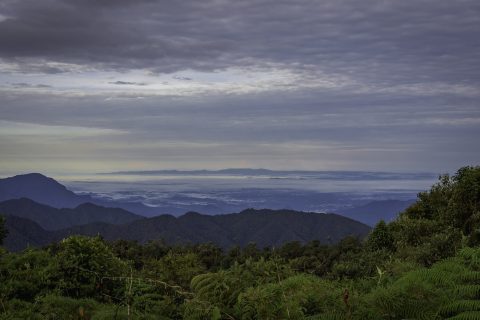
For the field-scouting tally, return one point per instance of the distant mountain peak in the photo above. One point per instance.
(48, 191)
(266, 211)
(36, 178)
(192, 214)
(32, 175)
(87, 205)
(39, 188)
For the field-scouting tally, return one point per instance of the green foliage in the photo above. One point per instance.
(86, 267)
(175, 268)
(413, 296)
(210, 255)
(381, 238)
(445, 290)
(161, 305)
(120, 312)
(26, 275)
(56, 307)
(266, 288)
(221, 289)
(293, 298)
(3, 229)
(435, 226)
(50, 307)
(16, 309)
(467, 315)
(464, 204)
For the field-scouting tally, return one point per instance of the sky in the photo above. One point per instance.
(109, 85)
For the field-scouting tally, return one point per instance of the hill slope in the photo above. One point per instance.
(23, 233)
(264, 227)
(39, 188)
(50, 218)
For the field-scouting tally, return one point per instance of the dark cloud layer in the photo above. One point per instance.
(397, 41)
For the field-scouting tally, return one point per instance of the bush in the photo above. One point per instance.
(293, 298)
(87, 268)
(27, 274)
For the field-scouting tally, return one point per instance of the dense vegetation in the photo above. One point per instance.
(424, 265)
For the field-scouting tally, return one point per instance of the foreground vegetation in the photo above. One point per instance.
(424, 265)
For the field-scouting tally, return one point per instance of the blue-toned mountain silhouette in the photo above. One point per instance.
(48, 191)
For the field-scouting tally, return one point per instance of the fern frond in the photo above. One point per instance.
(471, 257)
(468, 291)
(472, 277)
(468, 315)
(460, 306)
(327, 316)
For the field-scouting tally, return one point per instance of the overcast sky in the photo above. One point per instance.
(108, 85)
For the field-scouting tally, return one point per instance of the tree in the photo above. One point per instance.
(381, 238)
(464, 205)
(3, 230)
(27, 274)
(176, 269)
(86, 267)
(433, 227)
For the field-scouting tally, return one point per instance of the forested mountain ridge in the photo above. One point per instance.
(50, 218)
(23, 233)
(263, 227)
(423, 265)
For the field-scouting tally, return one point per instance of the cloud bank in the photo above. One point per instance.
(374, 85)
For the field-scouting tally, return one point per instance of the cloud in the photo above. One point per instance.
(182, 78)
(260, 131)
(301, 84)
(29, 85)
(128, 83)
(387, 42)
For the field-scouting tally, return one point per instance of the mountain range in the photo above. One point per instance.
(45, 190)
(263, 227)
(40, 210)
